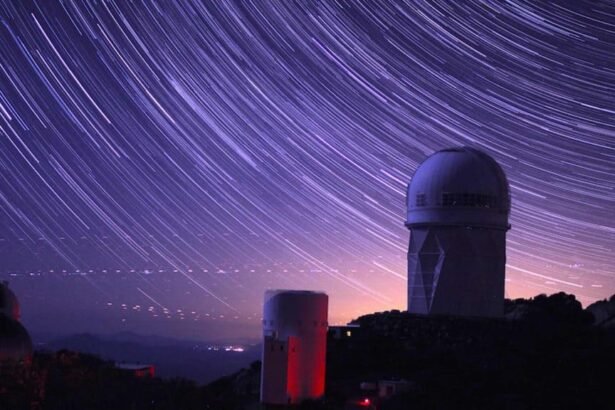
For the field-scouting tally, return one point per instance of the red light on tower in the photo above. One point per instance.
(294, 346)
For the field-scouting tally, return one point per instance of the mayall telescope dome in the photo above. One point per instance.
(458, 206)
(459, 186)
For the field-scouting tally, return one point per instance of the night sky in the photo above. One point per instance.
(275, 139)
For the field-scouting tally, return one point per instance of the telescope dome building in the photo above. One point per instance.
(15, 342)
(9, 305)
(458, 204)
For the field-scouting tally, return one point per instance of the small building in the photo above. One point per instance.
(138, 370)
(344, 332)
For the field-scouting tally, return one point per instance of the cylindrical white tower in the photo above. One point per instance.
(458, 206)
(294, 346)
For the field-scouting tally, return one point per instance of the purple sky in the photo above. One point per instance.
(273, 142)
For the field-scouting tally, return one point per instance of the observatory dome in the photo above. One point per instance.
(459, 186)
(15, 342)
(9, 305)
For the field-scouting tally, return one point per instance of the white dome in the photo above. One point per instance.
(459, 186)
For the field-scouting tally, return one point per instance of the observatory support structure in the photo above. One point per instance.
(454, 270)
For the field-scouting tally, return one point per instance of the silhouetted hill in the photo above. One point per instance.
(604, 312)
(559, 308)
(68, 380)
(545, 354)
(239, 390)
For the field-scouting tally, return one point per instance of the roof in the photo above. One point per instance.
(295, 292)
(460, 185)
(133, 366)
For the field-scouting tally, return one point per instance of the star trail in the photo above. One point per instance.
(275, 140)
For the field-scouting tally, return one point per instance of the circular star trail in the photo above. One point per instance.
(179, 135)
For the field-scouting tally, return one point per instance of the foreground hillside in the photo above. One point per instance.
(547, 352)
(67, 380)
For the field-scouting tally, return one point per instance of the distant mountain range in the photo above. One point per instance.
(196, 360)
(205, 361)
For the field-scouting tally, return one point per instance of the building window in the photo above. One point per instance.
(468, 200)
(348, 333)
(421, 200)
